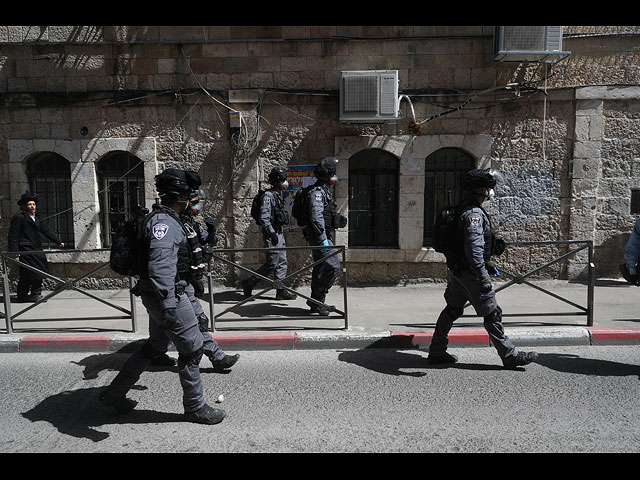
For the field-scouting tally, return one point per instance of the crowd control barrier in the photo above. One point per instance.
(335, 313)
(574, 246)
(61, 285)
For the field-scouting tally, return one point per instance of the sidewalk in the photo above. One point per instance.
(395, 317)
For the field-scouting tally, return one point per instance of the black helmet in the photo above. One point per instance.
(480, 178)
(277, 175)
(326, 167)
(173, 181)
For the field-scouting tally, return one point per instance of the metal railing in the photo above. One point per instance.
(518, 279)
(62, 285)
(280, 284)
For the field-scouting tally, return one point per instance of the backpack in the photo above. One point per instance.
(300, 208)
(127, 249)
(446, 233)
(256, 205)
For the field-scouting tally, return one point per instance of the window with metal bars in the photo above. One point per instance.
(442, 180)
(121, 184)
(49, 178)
(373, 199)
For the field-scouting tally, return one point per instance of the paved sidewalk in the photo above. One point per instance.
(396, 317)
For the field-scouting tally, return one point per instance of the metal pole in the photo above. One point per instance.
(344, 288)
(591, 286)
(6, 295)
(211, 306)
(132, 304)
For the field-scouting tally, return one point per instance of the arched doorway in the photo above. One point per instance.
(443, 171)
(49, 178)
(373, 199)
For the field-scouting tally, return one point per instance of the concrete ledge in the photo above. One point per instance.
(549, 336)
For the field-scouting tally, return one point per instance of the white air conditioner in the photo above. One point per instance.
(369, 96)
(528, 44)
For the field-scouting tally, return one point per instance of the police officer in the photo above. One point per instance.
(202, 251)
(171, 316)
(273, 217)
(629, 269)
(323, 220)
(469, 279)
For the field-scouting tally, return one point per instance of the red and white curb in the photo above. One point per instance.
(525, 337)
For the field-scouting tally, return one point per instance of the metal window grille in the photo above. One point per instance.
(50, 179)
(121, 180)
(373, 199)
(443, 173)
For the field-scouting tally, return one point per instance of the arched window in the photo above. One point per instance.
(373, 199)
(121, 184)
(443, 173)
(49, 178)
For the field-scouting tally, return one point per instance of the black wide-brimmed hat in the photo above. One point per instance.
(27, 197)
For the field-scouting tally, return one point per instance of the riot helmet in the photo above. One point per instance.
(174, 182)
(326, 168)
(278, 176)
(479, 178)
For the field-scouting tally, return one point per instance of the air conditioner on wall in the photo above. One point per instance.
(369, 96)
(526, 43)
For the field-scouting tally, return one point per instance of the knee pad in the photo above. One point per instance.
(494, 317)
(192, 358)
(203, 322)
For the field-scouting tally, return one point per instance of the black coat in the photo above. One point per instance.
(25, 236)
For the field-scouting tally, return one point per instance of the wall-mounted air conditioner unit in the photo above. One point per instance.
(529, 44)
(369, 96)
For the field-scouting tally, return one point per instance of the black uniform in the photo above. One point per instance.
(469, 278)
(25, 236)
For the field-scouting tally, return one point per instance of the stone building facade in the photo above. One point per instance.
(89, 114)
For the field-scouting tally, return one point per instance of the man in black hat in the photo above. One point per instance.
(470, 272)
(25, 236)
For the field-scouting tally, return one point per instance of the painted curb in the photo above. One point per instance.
(314, 340)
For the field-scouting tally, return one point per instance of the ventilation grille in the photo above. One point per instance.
(526, 43)
(369, 96)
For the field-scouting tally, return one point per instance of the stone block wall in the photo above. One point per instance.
(564, 135)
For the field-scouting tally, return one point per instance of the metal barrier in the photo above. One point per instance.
(63, 285)
(279, 284)
(520, 279)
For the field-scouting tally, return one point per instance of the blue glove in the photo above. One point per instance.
(325, 243)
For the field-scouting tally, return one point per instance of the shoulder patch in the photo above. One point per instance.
(475, 220)
(160, 230)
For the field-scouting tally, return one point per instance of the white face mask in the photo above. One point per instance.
(491, 194)
(333, 179)
(285, 185)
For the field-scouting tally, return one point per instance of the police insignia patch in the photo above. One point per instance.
(160, 230)
(475, 221)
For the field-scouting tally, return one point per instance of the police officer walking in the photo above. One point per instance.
(273, 217)
(202, 251)
(469, 275)
(323, 219)
(629, 268)
(171, 315)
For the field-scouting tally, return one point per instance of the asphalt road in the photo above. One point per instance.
(575, 399)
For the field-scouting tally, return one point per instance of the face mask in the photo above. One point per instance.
(195, 209)
(491, 194)
(333, 179)
(285, 185)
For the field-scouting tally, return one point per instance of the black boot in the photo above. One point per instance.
(248, 284)
(283, 294)
(122, 404)
(207, 415)
(225, 363)
(519, 359)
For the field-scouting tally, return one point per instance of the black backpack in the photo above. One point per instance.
(300, 208)
(447, 236)
(256, 205)
(127, 255)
